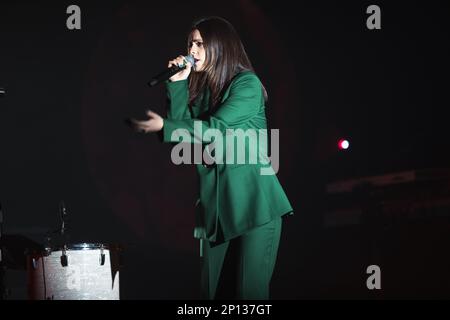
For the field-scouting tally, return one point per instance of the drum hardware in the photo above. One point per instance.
(60, 234)
(63, 214)
(64, 259)
(102, 255)
(34, 263)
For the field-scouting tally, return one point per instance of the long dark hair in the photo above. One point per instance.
(225, 57)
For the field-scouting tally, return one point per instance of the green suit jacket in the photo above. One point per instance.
(235, 197)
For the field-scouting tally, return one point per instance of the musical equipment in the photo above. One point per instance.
(80, 271)
(169, 72)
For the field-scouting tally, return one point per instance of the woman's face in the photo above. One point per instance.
(197, 50)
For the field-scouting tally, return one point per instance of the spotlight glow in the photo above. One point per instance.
(343, 144)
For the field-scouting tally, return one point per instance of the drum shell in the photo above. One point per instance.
(91, 273)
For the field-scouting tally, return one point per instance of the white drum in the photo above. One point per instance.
(84, 271)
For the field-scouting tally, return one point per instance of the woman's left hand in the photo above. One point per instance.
(154, 124)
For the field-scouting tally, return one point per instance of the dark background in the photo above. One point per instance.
(62, 138)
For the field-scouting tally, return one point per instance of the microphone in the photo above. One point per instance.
(166, 74)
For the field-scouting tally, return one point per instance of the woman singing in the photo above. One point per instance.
(239, 210)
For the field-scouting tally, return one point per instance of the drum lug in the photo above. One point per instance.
(102, 256)
(34, 263)
(64, 259)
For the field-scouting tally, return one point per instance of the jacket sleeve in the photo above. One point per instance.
(243, 102)
(178, 99)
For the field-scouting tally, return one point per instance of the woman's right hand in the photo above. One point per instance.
(183, 74)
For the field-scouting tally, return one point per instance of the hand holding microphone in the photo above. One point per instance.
(178, 69)
(181, 62)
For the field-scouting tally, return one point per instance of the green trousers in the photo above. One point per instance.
(241, 268)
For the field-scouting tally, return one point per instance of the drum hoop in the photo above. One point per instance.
(82, 246)
(79, 246)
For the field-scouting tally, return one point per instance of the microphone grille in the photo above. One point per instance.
(190, 59)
